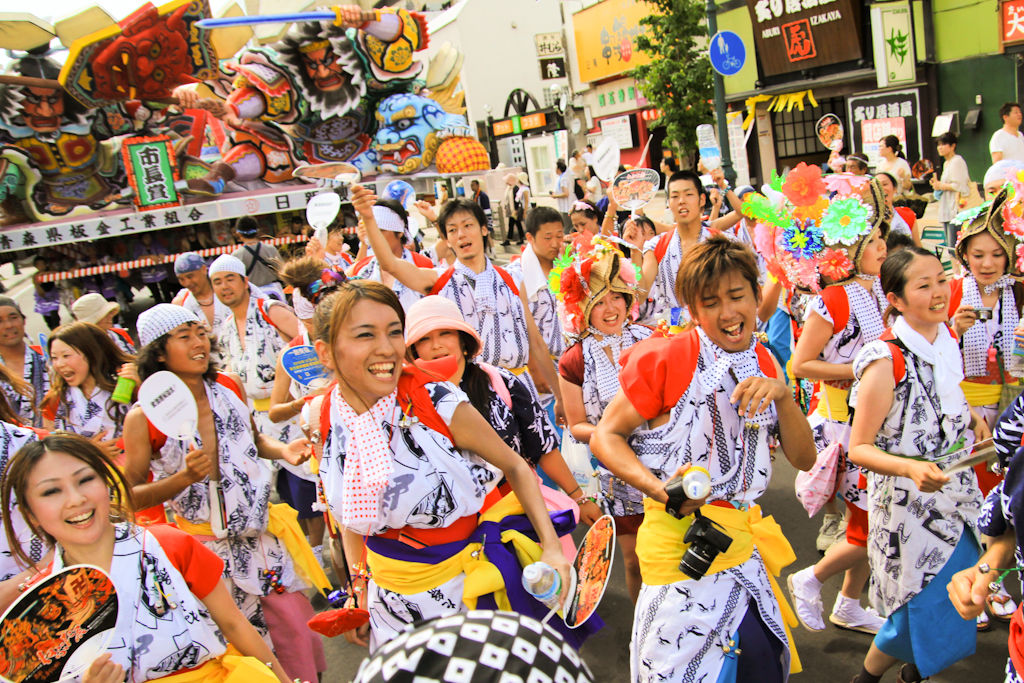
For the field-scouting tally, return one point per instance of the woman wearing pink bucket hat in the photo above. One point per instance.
(436, 329)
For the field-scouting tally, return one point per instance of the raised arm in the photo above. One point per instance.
(409, 274)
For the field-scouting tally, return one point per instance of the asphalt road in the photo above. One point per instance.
(832, 655)
(829, 655)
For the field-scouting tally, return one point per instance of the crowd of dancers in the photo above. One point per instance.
(797, 323)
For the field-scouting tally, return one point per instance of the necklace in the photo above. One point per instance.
(208, 302)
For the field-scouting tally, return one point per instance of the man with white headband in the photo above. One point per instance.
(251, 337)
(393, 220)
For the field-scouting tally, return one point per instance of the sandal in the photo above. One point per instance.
(983, 623)
(901, 679)
(1001, 605)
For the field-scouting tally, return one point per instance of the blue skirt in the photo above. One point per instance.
(928, 631)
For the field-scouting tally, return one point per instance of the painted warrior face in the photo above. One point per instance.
(43, 108)
(323, 68)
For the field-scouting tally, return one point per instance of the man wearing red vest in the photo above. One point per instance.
(486, 295)
(711, 398)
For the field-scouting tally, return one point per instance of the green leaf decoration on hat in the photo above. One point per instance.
(971, 214)
(845, 220)
(763, 210)
(560, 264)
(776, 181)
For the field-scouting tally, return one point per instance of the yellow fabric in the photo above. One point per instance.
(231, 667)
(482, 577)
(978, 394)
(261, 405)
(283, 523)
(832, 403)
(518, 371)
(659, 548)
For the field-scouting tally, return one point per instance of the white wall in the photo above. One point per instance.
(496, 37)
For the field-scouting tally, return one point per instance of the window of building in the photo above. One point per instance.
(794, 130)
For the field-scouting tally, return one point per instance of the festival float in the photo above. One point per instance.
(172, 120)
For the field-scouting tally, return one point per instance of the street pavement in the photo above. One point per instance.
(829, 655)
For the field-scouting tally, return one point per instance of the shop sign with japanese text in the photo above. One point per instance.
(792, 35)
(1012, 22)
(152, 171)
(873, 116)
(606, 38)
(548, 44)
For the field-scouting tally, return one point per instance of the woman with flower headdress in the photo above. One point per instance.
(598, 311)
(842, 318)
(585, 217)
(986, 249)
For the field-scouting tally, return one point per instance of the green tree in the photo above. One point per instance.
(678, 79)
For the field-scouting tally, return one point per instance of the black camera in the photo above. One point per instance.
(706, 542)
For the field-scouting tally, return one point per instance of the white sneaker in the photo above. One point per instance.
(806, 593)
(849, 614)
(833, 527)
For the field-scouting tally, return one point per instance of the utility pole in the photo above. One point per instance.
(723, 127)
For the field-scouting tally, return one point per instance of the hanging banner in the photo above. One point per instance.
(152, 171)
(872, 116)
(892, 33)
(128, 221)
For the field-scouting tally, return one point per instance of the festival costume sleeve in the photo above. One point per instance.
(570, 365)
(1008, 433)
(535, 430)
(446, 398)
(992, 520)
(818, 307)
(648, 372)
(200, 566)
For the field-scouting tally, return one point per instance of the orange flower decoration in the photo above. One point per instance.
(813, 210)
(804, 185)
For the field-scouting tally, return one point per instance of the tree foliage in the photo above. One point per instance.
(678, 79)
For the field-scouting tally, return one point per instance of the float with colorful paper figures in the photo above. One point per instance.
(158, 123)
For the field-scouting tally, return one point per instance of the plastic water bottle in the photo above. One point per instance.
(542, 582)
(697, 483)
(707, 144)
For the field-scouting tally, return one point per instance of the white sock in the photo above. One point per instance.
(808, 576)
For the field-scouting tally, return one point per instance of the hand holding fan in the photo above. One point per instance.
(170, 406)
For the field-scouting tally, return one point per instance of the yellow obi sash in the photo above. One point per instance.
(660, 547)
(482, 577)
(832, 403)
(518, 371)
(979, 395)
(230, 667)
(283, 523)
(261, 405)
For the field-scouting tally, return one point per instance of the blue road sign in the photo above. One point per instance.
(727, 53)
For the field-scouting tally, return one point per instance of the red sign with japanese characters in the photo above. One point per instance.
(1012, 24)
(795, 35)
(799, 42)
